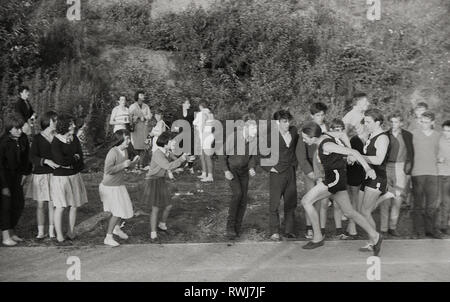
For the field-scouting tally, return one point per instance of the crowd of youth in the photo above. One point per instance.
(356, 164)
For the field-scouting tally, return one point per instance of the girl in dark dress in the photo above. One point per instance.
(14, 166)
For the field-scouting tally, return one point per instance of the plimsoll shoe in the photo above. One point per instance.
(111, 242)
(367, 248)
(309, 234)
(9, 242)
(117, 231)
(377, 246)
(312, 245)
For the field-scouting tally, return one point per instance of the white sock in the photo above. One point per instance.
(117, 228)
(51, 230)
(40, 230)
(109, 236)
(153, 235)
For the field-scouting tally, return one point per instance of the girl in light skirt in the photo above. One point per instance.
(113, 192)
(43, 166)
(67, 187)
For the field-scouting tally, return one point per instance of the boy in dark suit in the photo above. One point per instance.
(282, 179)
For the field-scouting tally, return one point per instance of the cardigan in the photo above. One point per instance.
(159, 164)
(114, 167)
(408, 139)
(41, 149)
(13, 158)
(64, 155)
(234, 161)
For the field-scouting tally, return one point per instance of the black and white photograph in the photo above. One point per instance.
(224, 146)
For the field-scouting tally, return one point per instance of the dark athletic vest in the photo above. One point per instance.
(331, 161)
(371, 150)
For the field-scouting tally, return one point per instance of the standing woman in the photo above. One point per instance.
(375, 153)
(203, 123)
(120, 116)
(67, 189)
(140, 115)
(43, 166)
(14, 166)
(332, 157)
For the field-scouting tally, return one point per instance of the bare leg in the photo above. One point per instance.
(337, 216)
(58, 224)
(154, 219)
(113, 221)
(353, 192)
(165, 213)
(320, 191)
(40, 217)
(343, 200)
(369, 204)
(323, 212)
(72, 220)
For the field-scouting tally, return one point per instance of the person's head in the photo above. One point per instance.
(158, 115)
(361, 129)
(250, 126)
(164, 139)
(186, 104)
(203, 105)
(283, 118)
(311, 133)
(396, 120)
(337, 125)
(427, 120)
(13, 125)
(122, 100)
(318, 111)
(360, 102)
(122, 138)
(373, 119)
(49, 120)
(420, 108)
(65, 125)
(24, 92)
(446, 129)
(139, 96)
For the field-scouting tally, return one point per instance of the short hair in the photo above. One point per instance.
(23, 87)
(312, 129)
(136, 95)
(164, 138)
(337, 123)
(318, 107)
(282, 114)
(248, 117)
(63, 125)
(119, 136)
(204, 104)
(359, 95)
(396, 114)
(430, 115)
(375, 114)
(13, 120)
(46, 118)
(422, 105)
(446, 124)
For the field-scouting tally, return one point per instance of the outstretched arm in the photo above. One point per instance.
(335, 148)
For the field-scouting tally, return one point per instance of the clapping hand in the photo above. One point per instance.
(252, 172)
(127, 163)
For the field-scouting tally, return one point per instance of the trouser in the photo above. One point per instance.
(425, 191)
(12, 206)
(396, 178)
(442, 221)
(284, 185)
(239, 198)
